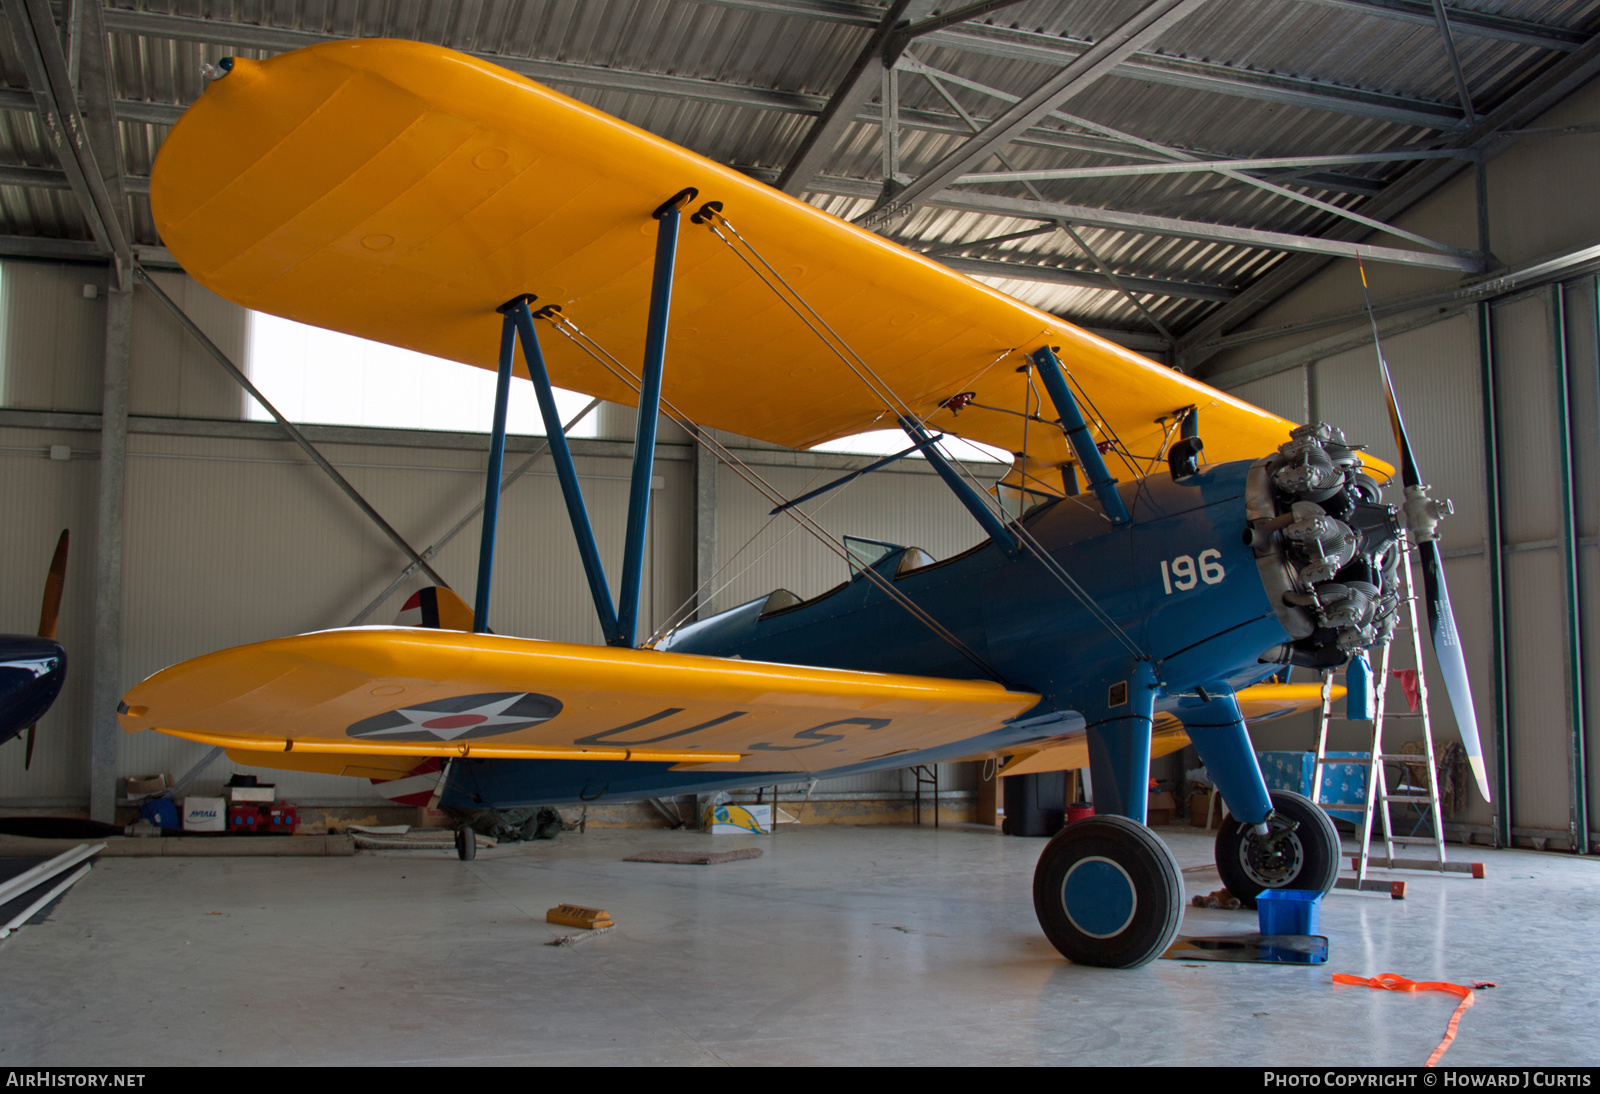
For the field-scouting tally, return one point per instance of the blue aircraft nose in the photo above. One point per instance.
(31, 674)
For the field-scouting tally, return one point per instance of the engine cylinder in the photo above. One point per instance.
(1328, 548)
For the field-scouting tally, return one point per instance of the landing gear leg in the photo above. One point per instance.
(1107, 891)
(1276, 840)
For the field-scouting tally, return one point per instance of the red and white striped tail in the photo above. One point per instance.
(416, 787)
(435, 607)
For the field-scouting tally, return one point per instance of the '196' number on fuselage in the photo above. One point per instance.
(1183, 574)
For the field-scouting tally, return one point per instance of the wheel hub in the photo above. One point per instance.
(1274, 860)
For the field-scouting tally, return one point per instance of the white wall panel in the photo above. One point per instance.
(1283, 393)
(1438, 383)
(169, 374)
(1525, 392)
(54, 337)
(1536, 655)
(1530, 427)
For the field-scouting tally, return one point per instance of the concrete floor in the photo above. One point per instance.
(840, 946)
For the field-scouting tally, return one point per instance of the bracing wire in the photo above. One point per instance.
(752, 477)
(680, 614)
(896, 405)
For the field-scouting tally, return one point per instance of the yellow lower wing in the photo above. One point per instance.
(1259, 703)
(399, 691)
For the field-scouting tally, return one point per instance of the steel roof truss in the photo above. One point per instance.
(33, 30)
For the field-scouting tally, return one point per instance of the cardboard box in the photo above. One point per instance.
(1160, 809)
(147, 784)
(204, 815)
(730, 820)
(266, 792)
(1199, 804)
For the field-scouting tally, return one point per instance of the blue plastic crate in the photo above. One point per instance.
(161, 812)
(1290, 911)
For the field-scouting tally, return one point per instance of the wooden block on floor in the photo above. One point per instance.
(575, 915)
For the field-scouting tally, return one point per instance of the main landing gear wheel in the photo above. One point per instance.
(1108, 893)
(1301, 850)
(466, 843)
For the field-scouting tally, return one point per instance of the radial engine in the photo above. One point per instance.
(1328, 546)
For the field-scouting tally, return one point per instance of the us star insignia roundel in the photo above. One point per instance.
(460, 718)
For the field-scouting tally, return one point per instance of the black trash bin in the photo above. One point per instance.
(1036, 805)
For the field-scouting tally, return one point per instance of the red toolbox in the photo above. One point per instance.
(247, 817)
(281, 819)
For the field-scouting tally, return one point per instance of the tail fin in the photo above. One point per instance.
(436, 607)
(416, 787)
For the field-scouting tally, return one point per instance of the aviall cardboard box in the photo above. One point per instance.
(204, 815)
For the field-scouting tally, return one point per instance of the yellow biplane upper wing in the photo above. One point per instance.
(373, 692)
(400, 191)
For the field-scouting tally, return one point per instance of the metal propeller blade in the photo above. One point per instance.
(49, 613)
(1422, 514)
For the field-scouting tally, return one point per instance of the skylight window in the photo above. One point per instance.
(886, 442)
(322, 376)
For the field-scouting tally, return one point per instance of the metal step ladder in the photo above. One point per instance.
(1425, 798)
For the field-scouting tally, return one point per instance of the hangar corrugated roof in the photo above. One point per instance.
(742, 81)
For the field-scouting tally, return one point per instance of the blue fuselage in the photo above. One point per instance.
(1178, 582)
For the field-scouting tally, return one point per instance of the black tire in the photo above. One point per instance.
(1307, 858)
(466, 843)
(1124, 912)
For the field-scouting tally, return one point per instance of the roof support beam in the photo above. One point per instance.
(900, 38)
(1480, 24)
(992, 41)
(1072, 233)
(33, 30)
(1152, 21)
(1188, 229)
(1211, 76)
(864, 78)
(1434, 302)
(1059, 275)
(936, 76)
(1462, 91)
(1519, 110)
(79, 250)
(91, 47)
(1126, 170)
(279, 40)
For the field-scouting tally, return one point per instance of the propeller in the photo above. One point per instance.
(49, 612)
(1422, 515)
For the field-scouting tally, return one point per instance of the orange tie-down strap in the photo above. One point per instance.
(1392, 982)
